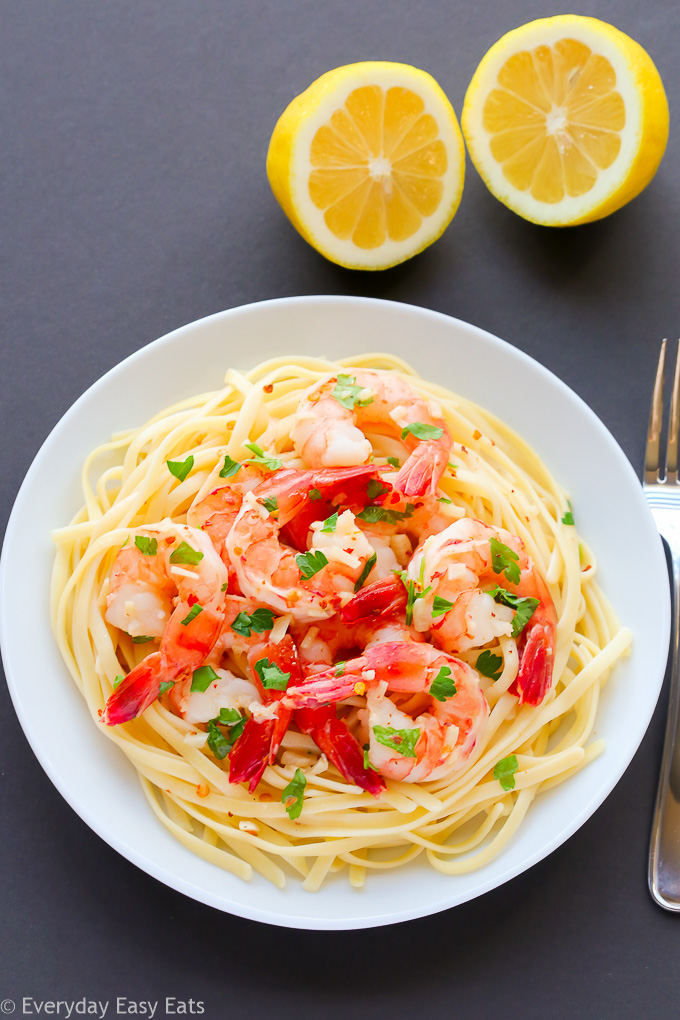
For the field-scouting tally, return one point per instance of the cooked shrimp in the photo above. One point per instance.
(333, 418)
(313, 585)
(428, 745)
(144, 574)
(216, 512)
(449, 574)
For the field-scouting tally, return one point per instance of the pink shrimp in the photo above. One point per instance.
(216, 512)
(434, 743)
(333, 418)
(309, 586)
(170, 556)
(455, 567)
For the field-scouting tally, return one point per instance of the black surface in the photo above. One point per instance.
(135, 200)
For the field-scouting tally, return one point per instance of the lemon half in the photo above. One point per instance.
(368, 163)
(566, 120)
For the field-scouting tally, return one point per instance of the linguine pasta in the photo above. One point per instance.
(458, 823)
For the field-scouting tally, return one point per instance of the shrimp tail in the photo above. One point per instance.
(421, 473)
(138, 690)
(250, 754)
(331, 736)
(536, 664)
(380, 598)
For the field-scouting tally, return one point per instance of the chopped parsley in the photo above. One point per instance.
(270, 503)
(185, 554)
(166, 685)
(117, 680)
(311, 563)
(330, 523)
(315, 494)
(442, 686)
(367, 764)
(524, 607)
(422, 431)
(440, 606)
(230, 468)
(568, 517)
(202, 678)
(340, 667)
(504, 561)
(414, 590)
(148, 546)
(272, 678)
(224, 586)
(192, 614)
(444, 499)
(219, 744)
(368, 567)
(141, 639)
(376, 514)
(376, 488)
(259, 621)
(292, 795)
(180, 468)
(260, 457)
(394, 462)
(504, 772)
(346, 392)
(489, 665)
(402, 741)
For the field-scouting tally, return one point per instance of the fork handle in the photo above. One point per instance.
(664, 848)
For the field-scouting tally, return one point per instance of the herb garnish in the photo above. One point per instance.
(259, 621)
(504, 772)
(489, 665)
(192, 614)
(402, 741)
(443, 687)
(180, 468)
(347, 393)
(271, 676)
(504, 561)
(148, 546)
(524, 607)
(422, 431)
(260, 457)
(311, 563)
(202, 678)
(185, 554)
(368, 567)
(292, 795)
(231, 467)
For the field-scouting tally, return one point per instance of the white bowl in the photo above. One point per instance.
(97, 780)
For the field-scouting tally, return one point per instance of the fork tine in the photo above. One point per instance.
(672, 445)
(652, 451)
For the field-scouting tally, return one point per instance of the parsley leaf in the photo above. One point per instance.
(166, 685)
(271, 676)
(422, 431)
(141, 639)
(259, 621)
(402, 741)
(394, 462)
(117, 680)
(376, 488)
(568, 517)
(219, 744)
(374, 514)
(340, 667)
(192, 614)
(504, 772)
(185, 554)
(231, 467)
(443, 687)
(270, 503)
(315, 494)
(489, 665)
(292, 795)
(368, 567)
(260, 457)
(330, 523)
(224, 586)
(180, 468)
(148, 546)
(202, 678)
(440, 606)
(347, 393)
(524, 607)
(412, 590)
(504, 561)
(444, 499)
(367, 764)
(311, 563)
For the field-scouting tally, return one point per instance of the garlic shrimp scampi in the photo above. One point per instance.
(338, 618)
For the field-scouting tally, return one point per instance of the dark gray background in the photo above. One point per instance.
(135, 200)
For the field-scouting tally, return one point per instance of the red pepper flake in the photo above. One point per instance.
(202, 789)
(192, 600)
(100, 713)
(588, 567)
(170, 539)
(476, 434)
(230, 425)
(395, 497)
(269, 388)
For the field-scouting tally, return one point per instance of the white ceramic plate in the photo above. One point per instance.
(96, 779)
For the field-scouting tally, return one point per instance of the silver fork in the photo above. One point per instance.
(662, 491)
